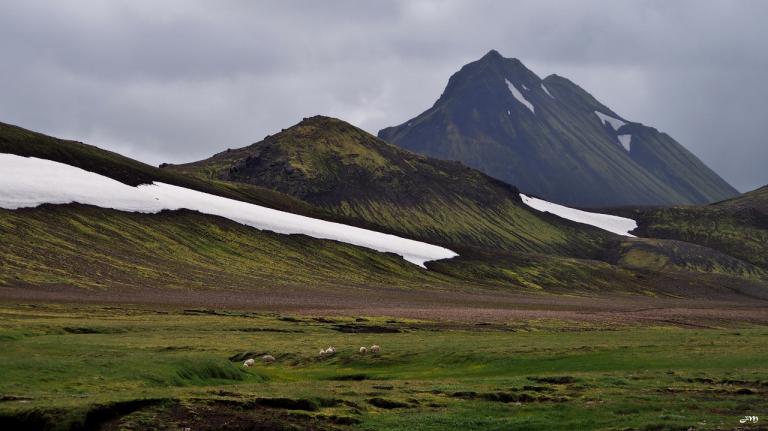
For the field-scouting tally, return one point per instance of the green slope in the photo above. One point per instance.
(562, 150)
(344, 170)
(737, 227)
(91, 247)
(756, 199)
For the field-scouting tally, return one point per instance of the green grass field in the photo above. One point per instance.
(67, 367)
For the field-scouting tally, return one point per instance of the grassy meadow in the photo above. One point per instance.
(88, 367)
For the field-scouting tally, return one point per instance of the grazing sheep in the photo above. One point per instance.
(375, 348)
(249, 363)
(363, 350)
(268, 359)
(328, 352)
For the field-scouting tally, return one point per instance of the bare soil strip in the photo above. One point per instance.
(466, 306)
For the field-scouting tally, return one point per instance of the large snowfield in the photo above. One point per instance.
(30, 182)
(611, 223)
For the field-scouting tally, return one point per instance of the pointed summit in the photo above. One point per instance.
(553, 139)
(488, 77)
(492, 55)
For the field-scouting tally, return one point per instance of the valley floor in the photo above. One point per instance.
(473, 305)
(488, 360)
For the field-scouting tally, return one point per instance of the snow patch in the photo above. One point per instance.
(525, 88)
(611, 223)
(546, 90)
(625, 141)
(615, 123)
(29, 182)
(519, 96)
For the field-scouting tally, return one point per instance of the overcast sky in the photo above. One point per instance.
(176, 81)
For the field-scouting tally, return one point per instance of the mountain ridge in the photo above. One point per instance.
(551, 138)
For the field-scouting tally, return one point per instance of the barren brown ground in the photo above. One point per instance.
(474, 306)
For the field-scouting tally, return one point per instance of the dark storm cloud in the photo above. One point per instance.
(180, 80)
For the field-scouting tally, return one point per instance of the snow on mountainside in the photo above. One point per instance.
(607, 119)
(625, 141)
(546, 90)
(611, 223)
(29, 182)
(519, 96)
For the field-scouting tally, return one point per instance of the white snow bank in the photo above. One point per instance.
(611, 223)
(607, 119)
(519, 96)
(29, 182)
(625, 141)
(546, 90)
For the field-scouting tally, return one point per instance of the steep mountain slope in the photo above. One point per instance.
(738, 226)
(344, 170)
(553, 139)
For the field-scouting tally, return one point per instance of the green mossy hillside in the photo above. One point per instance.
(344, 170)
(737, 227)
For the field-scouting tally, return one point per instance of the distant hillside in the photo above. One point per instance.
(553, 139)
(756, 199)
(344, 170)
(738, 226)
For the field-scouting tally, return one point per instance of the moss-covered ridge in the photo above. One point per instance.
(23, 142)
(737, 227)
(352, 174)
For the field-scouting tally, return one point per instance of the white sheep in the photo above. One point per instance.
(268, 359)
(328, 352)
(249, 363)
(363, 350)
(375, 348)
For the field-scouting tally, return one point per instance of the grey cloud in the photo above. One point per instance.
(179, 80)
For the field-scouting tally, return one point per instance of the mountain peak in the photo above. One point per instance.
(491, 71)
(553, 139)
(492, 54)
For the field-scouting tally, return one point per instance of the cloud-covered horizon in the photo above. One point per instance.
(177, 81)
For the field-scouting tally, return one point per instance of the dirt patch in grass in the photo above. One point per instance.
(384, 403)
(207, 415)
(287, 331)
(92, 418)
(365, 329)
(351, 377)
(554, 380)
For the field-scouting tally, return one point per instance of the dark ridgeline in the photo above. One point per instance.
(555, 140)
